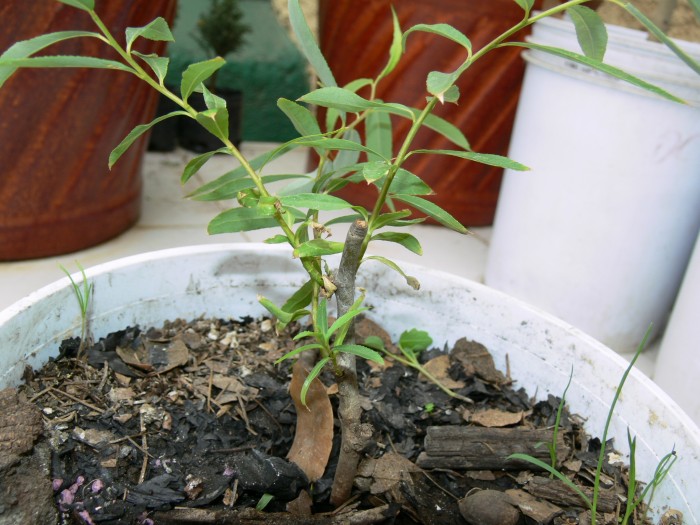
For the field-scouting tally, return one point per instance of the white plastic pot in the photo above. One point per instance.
(678, 364)
(600, 231)
(224, 280)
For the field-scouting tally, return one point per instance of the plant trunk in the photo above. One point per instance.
(354, 434)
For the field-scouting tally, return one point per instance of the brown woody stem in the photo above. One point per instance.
(354, 434)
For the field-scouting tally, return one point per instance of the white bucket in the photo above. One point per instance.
(600, 231)
(678, 364)
(224, 280)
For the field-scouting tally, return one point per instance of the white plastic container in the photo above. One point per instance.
(224, 280)
(600, 231)
(678, 364)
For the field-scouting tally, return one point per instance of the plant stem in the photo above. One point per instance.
(354, 433)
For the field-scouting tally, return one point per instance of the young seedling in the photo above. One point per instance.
(345, 157)
(633, 501)
(83, 294)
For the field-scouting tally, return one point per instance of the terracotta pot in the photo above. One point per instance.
(58, 127)
(356, 42)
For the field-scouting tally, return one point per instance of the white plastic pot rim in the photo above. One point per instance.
(224, 281)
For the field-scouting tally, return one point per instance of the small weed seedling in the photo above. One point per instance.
(346, 156)
(83, 294)
(633, 500)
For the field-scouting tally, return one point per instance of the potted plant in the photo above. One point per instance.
(299, 211)
(618, 223)
(220, 32)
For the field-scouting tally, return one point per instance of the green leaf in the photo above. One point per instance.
(396, 49)
(344, 320)
(301, 118)
(315, 371)
(338, 98)
(217, 191)
(406, 240)
(375, 342)
(196, 163)
(297, 351)
(263, 502)
(444, 30)
(656, 31)
(360, 351)
(315, 201)
(407, 183)
(526, 5)
(60, 61)
(415, 340)
(275, 310)
(318, 247)
(212, 101)
(134, 134)
(348, 156)
(85, 5)
(482, 158)
(379, 135)
(27, 48)
(300, 299)
(432, 210)
(159, 65)
(387, 219)
(276, 239)
(373, 171)
(215, 121)
(308, 44)
(334, 144)
(438, 84)
(411, 281)
(599, 66)
(590, 31)
(157, 30)
(240, 220)
(447, 130)
(197, 73)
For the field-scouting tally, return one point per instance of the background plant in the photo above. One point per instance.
(300, 209)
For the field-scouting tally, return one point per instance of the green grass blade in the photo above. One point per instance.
(315, 371)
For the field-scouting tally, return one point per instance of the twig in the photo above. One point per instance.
(78, 400)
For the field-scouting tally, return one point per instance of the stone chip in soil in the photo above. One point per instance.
(203, 436)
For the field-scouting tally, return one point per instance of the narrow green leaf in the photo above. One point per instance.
(60, 61)
(297, 351)
(217, 191)
(375, 342)
(215, 121)
(411, 281)
(338, 98)
(415, 340)
(443, 30)
(322, 317)
(599, 66)
(396, 49)
(482, 158)
(85, 5)
(301, 118)
(360, 351)
(348, 156)
(335, 144)
(275, 310)
(447, 130)
(157, 30)
(387, 219)
(407, 183)
(197, 73)
(240, 220)
(406, 240)
(308, 44)
(196, 163)
(300, 299)
(590, 31)
(315, 371)
(656, 31)
(432, 210)
(318, 247)
(264, 501)
(373, 171)
(159, 65)
(315, 201)
(276, 239)
(379, 135)
(134, 134)
(544, 466)
(345, 319)
(26, 48)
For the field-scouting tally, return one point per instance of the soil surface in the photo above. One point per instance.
(683, 23)
(193, 423)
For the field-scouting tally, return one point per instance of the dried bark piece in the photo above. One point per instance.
(559, 493)
(20, 426)
(539, 510)
(313, 438)
(476, 357)
(385, 473)
(496, 418)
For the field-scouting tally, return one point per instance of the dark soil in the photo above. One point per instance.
(191, 423)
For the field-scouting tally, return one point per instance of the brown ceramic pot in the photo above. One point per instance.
(355, 37)
(58, 127)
